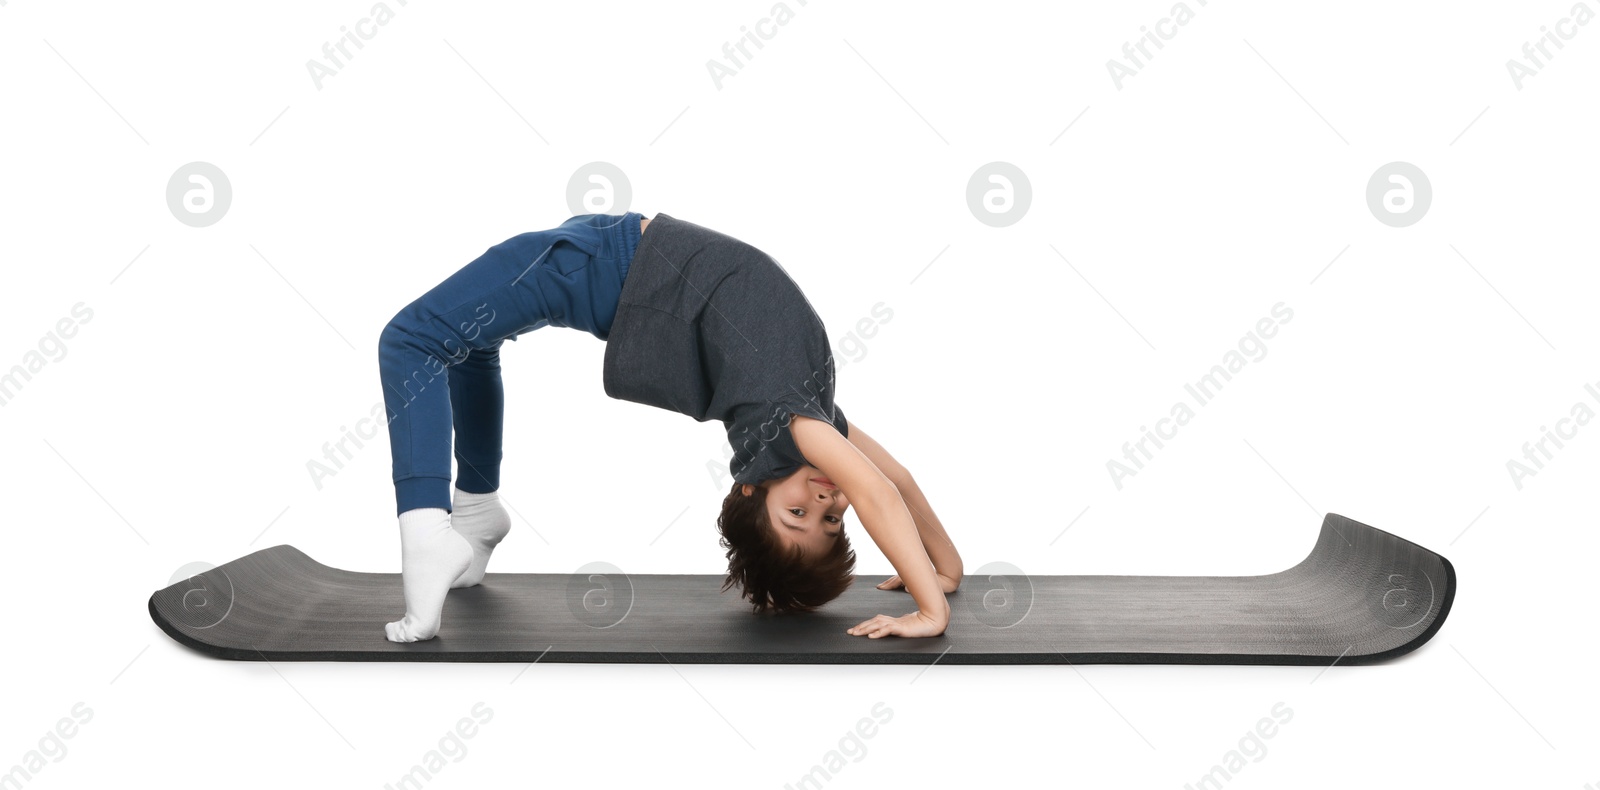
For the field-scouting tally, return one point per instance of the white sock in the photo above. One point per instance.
(483, 521)
(431, 554)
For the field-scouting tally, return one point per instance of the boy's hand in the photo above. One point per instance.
(946, 584)
(914, 624)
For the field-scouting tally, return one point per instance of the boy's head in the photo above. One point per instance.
(786, 544)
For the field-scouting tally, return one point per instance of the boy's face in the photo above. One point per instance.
(805, 510)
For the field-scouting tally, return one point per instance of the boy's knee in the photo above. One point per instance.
(388, 339)
(394, 337)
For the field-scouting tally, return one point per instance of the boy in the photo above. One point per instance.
(695, 322)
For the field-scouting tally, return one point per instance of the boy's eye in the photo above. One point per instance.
(831, 519)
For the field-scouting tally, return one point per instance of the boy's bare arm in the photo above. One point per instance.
(886, 519)
(880, 457)
(941, 550)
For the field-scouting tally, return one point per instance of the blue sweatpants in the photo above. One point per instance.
(439, 357)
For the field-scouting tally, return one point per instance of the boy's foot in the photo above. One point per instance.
(431, 555)
(483, 521)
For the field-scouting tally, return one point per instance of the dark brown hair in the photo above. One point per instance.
(771, 575)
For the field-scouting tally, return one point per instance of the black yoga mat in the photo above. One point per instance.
(1362, 595)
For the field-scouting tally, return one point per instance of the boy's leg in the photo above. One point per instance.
(454, 332)
(478, 407)
(432, 555)
(419, 352)
(477, 400)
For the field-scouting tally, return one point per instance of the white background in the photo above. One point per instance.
(1220, 180)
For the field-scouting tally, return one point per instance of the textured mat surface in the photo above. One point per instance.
(1362, 595)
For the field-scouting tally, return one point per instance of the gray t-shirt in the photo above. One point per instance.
(713, 328)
